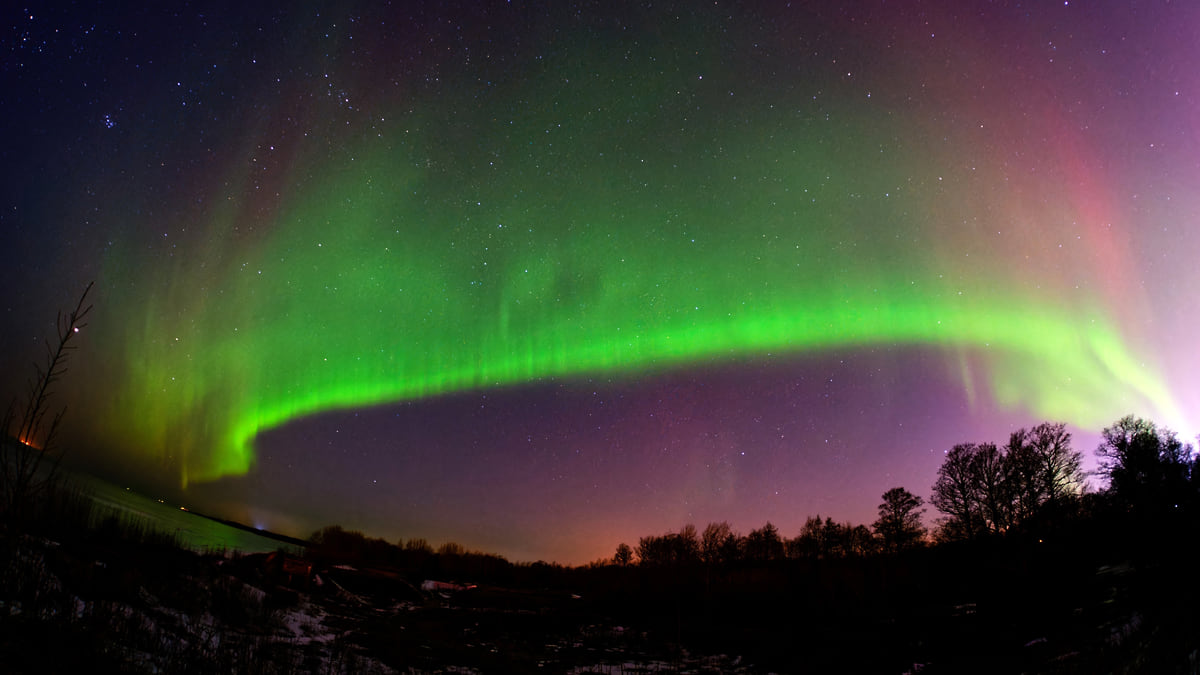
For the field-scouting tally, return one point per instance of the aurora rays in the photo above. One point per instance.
(383, 280)
(609, 268)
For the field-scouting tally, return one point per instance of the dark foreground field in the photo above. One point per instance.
(151, 607)
(105, 601)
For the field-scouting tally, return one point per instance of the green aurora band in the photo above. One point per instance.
(438, 257)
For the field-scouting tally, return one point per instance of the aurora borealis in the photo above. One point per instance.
(498, 272)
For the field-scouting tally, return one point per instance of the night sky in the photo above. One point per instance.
(540, 278)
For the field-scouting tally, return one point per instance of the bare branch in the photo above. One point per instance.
(19, 481)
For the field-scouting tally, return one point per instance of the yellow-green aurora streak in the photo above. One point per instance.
(379, 285)
(574, 225)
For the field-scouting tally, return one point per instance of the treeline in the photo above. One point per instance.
(1032, 484)
(898, 527)
(334, 545)
(982, 488)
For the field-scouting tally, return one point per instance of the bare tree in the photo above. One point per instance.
(982, 488)
(974, 492)
(732, 547)
(688, 544)
(956, 494)
(451, 549)
(712, 541)
(23, 449)
(1043, 468)
(991, 475)
(418, 545)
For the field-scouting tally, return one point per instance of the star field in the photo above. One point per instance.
(545, 277)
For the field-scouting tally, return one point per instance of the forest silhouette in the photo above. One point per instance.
(1022, 568)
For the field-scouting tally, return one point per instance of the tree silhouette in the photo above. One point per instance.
(22, 450)
(820, 539)
(810, 543)
(1147, 467)
(715, 543)
(418, 545)
(995, 490)
(835, 536)
(985, 489)
(764, 544)
(687, 544)
(899, 526)
(624, 555)
(860, 541)
(670, 549)
(732, 548)
(451, 548)
(652, 550)
(956, 493)
(1043, 470)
